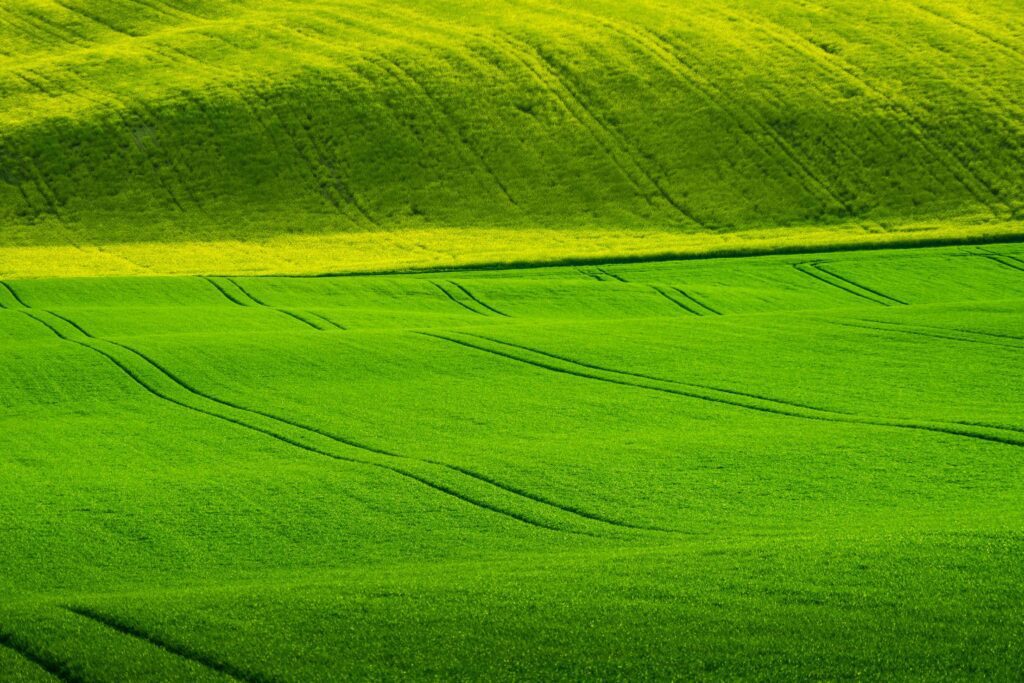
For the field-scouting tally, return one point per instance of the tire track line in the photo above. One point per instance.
(10, 290)
(942, 154)
(613, 276)
(697, 302)
(992, 335)
(678, 303)
(447, 117)
(187, 653)
(235, 300)
(770, 406)
(809, 270)
(864, 325)
(668, 53)
(58, 670)
(327, 320)
(452, 298)
(553, 80)
(639, 375)
(1005, 262)
(821, 268)
(483, 303)
(1007, 47)
(95, 19)
(93, 344)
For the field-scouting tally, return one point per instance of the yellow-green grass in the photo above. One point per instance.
(446, 248)
(789, 467)
(365, 135)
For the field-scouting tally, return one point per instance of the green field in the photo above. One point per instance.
(511, 340)
(794, 466)
(308, 136)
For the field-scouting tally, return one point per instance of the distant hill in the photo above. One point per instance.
(248, 136)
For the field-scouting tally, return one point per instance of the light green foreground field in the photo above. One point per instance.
(306, 136)
(779, 467)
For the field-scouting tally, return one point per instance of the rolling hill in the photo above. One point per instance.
(783, 467)
(194, 136)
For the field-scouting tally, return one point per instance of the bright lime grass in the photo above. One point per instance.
(790, 467)
(205, 121)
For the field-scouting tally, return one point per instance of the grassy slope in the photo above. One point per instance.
(571, 478)
(194, 136)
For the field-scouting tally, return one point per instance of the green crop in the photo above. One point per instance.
(203, 136)
(798, 466)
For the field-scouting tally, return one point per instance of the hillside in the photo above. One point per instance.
(248, 136)
(794, 467)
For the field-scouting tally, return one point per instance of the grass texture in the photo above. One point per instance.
(798, 466)
(202, 136)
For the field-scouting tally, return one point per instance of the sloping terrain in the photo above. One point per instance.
(801, 466)
(203, 136)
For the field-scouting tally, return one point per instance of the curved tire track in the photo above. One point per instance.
(228, 411)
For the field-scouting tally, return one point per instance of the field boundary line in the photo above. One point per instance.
(807, 250)
(186, 653)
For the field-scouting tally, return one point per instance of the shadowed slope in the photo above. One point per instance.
(196, 122)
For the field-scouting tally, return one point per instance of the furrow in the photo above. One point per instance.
(770, 407)
(482, 303)
(177, 650)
